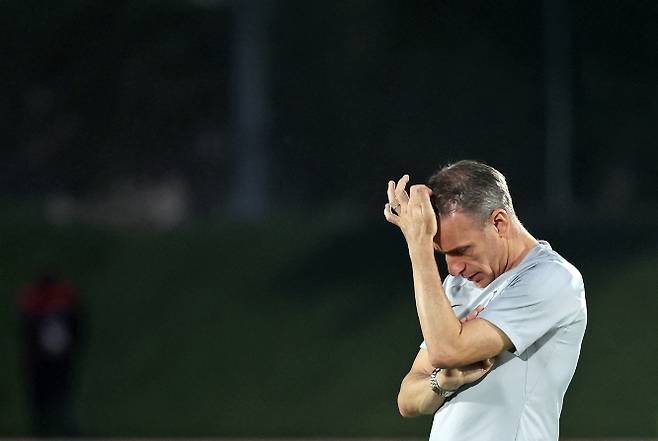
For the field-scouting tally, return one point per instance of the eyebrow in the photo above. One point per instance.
(457, 250)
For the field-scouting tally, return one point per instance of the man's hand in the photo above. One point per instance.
(412, 213)
(453, 379)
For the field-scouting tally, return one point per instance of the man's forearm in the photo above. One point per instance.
(450, 343)
(438, 323)
(416, 396)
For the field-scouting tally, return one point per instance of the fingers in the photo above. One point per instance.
(390, 193)
(401, 192)
(473, 314)
(397, 197)
(420, 196)
(399, 200)
(475, 371)
(419, 199)
(389, 215)
(397, 192)
(420, 191)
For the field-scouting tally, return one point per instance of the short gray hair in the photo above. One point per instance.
(471, 186)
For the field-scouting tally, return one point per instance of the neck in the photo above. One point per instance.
(519, 244)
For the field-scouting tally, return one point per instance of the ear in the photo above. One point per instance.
(501, 221)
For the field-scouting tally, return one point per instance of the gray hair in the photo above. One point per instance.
(471, 186)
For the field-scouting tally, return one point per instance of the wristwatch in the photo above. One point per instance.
(436, 388)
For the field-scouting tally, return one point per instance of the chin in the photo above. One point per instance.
(484, 282)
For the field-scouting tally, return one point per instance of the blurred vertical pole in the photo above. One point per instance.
(250, 103)
(559, 108)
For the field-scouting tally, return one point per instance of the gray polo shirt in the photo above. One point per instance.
(540, 306)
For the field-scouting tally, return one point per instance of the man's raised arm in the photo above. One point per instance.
(449, 342)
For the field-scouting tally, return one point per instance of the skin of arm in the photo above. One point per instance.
(450, 343)
(416, 396)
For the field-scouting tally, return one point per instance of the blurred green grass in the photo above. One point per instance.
(291, 328)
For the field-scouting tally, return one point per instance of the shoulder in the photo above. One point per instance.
(552, 281)
(549, 269)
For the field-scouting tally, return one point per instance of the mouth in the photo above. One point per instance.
(472, 277)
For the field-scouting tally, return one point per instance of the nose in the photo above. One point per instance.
(455, 266)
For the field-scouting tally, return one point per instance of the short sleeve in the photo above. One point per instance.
(544, 297)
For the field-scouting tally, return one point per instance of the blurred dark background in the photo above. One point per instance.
(208, 178)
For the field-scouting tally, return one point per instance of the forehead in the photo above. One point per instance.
(456, 230)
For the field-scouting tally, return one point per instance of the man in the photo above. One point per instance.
(504, 329)
(50, 317)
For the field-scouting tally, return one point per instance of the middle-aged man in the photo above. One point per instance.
(504, 329)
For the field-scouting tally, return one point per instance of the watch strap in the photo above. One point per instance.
(436, 387)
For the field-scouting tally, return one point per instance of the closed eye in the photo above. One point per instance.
(458, 251)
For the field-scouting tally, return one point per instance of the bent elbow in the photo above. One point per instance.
(444, 359)
(405, 411)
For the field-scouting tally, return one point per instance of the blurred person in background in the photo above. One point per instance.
(503, 330)
(50, 319)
